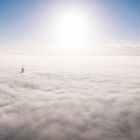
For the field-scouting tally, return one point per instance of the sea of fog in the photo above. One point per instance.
(69, 97)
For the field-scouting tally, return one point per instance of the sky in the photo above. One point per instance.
(56, 25)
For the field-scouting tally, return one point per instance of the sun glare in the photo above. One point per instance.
(71, 28)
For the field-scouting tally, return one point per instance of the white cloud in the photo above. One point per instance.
(99, 105)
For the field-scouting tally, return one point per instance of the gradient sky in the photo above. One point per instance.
(24, 22)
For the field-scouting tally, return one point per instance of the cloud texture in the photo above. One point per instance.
(95, 105)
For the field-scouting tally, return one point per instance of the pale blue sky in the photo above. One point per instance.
(22, 20)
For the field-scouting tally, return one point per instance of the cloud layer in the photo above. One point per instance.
(95, 105)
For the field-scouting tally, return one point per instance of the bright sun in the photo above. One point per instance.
(71, 28)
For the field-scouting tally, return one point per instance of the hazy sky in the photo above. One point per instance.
(32, 23)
